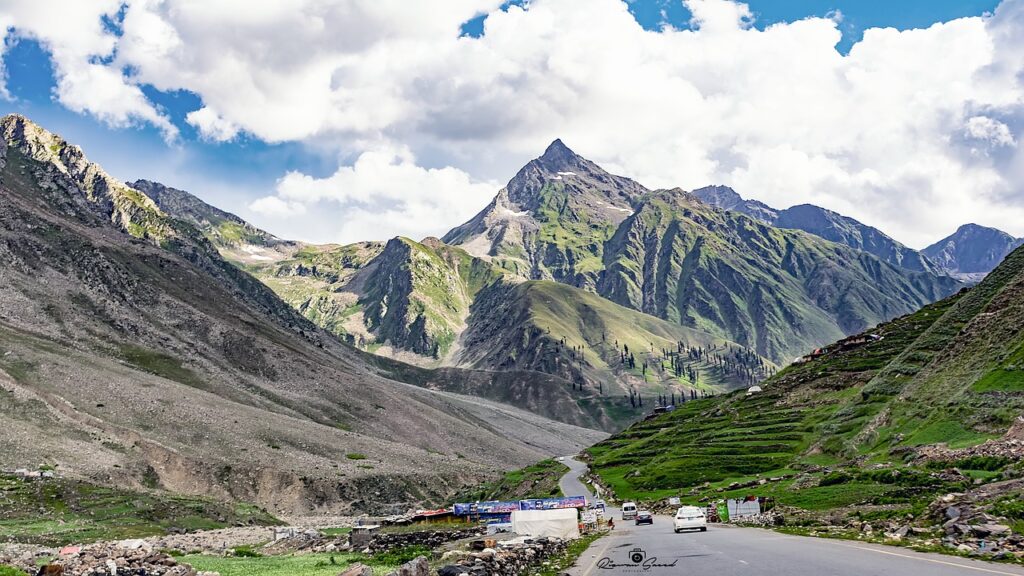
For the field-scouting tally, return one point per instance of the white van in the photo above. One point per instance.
(629, 511)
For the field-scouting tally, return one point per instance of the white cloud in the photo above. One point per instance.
(81, 48)
(990, 130)
(211, 125)
(275, 207)
(383, 194)
(912, 131)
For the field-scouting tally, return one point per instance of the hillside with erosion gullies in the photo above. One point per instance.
(133, 354)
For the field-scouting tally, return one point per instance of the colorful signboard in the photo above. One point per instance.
(554, 503)
(499, 507)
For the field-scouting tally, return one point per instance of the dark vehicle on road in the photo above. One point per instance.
(644, 517)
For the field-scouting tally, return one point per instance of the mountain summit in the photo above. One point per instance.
(558, 156)
(551, 220)
(972, 251)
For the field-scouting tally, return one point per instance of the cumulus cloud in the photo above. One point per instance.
(913, 131)
(82, 49)
(384, 193)
(990, 130)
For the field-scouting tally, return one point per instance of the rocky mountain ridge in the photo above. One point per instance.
(132, 353)
(972, 251)
(563, 219)
(824, 223)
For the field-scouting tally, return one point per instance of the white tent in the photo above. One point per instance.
(562, 523)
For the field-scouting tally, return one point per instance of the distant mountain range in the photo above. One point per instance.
(972, 251)
(570, 266)
(147, 332)
(968, 254)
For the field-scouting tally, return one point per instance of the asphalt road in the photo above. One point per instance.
(570, 483)
(728, 550)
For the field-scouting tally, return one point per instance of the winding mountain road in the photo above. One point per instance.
(726, 550)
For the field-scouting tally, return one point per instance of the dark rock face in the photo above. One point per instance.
(223, 228)
(972, 250)
(726, 198)
(844, 230)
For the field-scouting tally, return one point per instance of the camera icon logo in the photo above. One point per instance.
(637, 555)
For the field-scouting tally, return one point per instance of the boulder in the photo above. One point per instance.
(357, 569)
(415, 567)
(984, 530)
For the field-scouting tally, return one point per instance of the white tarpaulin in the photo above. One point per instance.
(539, 523)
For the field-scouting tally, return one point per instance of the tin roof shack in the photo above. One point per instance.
(561, 523)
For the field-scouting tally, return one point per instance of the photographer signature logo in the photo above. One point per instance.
(638, 562)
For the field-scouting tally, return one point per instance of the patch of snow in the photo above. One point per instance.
(502, 211)
(567, 174)
(255, 252)
(627, 210)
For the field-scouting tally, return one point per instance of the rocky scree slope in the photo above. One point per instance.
(132, 353)
(921, 406)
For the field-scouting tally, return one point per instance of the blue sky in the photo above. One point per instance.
(235, 172)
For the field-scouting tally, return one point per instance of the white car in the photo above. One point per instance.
(690, 518)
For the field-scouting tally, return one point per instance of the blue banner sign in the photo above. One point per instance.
(507, 507)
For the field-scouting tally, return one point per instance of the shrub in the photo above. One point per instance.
(835, 478)
(245, 552)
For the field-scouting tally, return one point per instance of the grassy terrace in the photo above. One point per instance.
(59, 511)
(810, 415)
(301, 564)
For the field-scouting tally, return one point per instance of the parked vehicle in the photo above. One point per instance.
(690, 518)
(644, 517)
(629, 511)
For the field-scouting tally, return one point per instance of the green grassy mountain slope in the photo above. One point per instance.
(603, 348)
(412, 301)
(551, 220)
(779, 292)
(418, 295)
(863, 423)
(131, 353)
